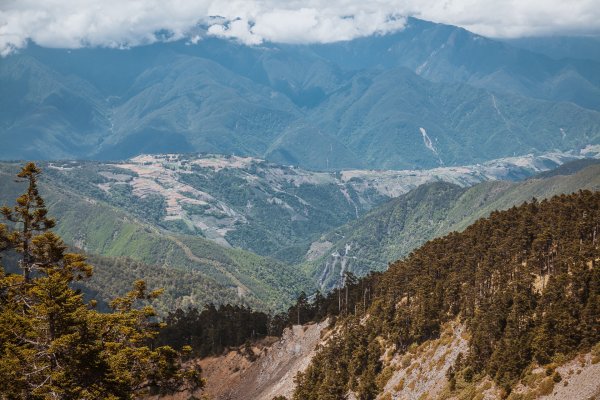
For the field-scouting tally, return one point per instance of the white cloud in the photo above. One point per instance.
(323, 25)
(237, 29)
(515, 18)
(122, 23)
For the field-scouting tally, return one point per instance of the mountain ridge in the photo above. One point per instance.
(269, 209)
(117, 239)
(306, 105)
(401, 225)
(507, 278)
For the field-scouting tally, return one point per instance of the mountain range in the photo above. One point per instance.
(125, 247)
(174, 220)
(393, 230)
(426, 96)
(426, 200)
(266, 208)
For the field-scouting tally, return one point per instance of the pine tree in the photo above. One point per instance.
(29, 216)
(525, 282)
(55, 346)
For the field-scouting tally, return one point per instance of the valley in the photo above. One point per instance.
(410, 338)
(281, 201)
(212, 273)
(395, 229)
(235, 229)
(270, 209)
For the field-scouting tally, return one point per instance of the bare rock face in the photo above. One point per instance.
(267, 371)
(422, 371)
(576, 379)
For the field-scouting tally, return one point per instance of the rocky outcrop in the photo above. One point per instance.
(265, 370)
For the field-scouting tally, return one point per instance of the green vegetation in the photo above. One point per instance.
(212, 330)
(259, 207)
(390, 231)
(125, 241)
(393, 230)
(325, 106)
(55, 345)
(278, 216)
(193, 270)
(526, 282)
(182, 288)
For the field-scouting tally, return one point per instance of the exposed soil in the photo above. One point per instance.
(580, 380)
(268, 368)
(422, 372)
(265, 371)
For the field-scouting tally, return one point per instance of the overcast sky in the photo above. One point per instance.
(124, 23)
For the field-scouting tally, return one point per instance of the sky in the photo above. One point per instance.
(127, 23)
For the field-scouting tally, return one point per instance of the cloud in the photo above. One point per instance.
(125, 23)
(515, 18)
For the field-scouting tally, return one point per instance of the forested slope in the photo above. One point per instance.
(457, 98)
(394, 229)
(132, 249)
(525, 282)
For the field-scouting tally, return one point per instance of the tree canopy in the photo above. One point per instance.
(55, 345)
(525, 282)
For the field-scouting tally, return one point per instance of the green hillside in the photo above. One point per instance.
(131, 237)
(424, 124)
(213, 273)
(268, 209)
(524, 284)
(394, 229)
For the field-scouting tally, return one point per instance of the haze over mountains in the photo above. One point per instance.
(426, 96)
(583, 48)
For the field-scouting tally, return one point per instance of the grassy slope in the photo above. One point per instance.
(515, 194)
(396, 227)
(101, 229)
(393, 230)
(113, 277)
(282, 231)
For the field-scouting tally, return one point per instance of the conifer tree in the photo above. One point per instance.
(55, 346)
(29, 216)
(525, 283)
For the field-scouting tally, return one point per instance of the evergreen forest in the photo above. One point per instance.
(525, 282)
